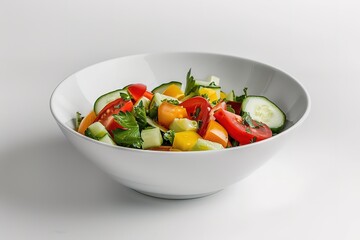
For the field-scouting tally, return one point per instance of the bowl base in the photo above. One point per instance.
(176, 197)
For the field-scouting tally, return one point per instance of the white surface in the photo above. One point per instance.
(308, 191)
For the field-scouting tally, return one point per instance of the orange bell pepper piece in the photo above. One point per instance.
(86, 122)
(216, 133)
(167, 112)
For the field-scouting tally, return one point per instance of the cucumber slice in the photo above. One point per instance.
(183, 124)
(158, 98)
(107, 139)
(161, 88)
(151, 138)
(96, 131)
(263, 110)
(101, 102)
(202, 145)
(144, 100)
(230, 96)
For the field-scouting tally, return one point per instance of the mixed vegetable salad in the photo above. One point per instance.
(169, 118)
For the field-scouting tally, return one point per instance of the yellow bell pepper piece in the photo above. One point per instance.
(222, 95)
(186, 140)
(174, 91)
(211, 93)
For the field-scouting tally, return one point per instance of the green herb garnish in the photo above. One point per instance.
(190, 83)
(125, 96)
(242, 97)
(130, 135)
(169, 136)
(172, 101)
(140, 115)
(78, 120)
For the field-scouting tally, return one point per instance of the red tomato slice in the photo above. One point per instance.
(239, 131)
(221, 104)
(198, 108)
(105, 116)
(136, 90)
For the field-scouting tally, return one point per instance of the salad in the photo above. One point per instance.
(200, 116)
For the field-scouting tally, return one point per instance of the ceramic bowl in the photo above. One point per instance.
(178, 175)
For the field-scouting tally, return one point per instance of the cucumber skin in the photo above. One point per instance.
(97, 108)
(273, 129)
(162, 87)
(96, 131)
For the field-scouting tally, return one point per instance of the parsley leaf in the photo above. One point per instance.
(190, 83)
(78, 120)
(195, 115)
(206, 96)
(172, 101)
(169, 136)
(130, 135)
(140, 115)
(153, 113)
(125, 96)
(234, 143)
(248, 120)
(242, 97)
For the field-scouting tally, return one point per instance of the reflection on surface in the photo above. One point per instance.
(52, 176)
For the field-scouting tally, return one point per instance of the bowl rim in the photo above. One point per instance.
(142, 55)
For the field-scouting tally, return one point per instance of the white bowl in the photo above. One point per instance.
(178, 175)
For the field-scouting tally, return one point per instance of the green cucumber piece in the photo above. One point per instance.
(230, 96)
(203, 145)
(263, 110)
(104, 99)
(183, 124)
(161, 88)
(158, 98)
(107, 139)
(144, 100)
(151, 138)
(96, 131)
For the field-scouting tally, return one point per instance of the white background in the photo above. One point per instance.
(310, 190)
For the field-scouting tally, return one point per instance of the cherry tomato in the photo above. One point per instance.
(105, 116)
(198, 108)
(136, 90)
(239, 130)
